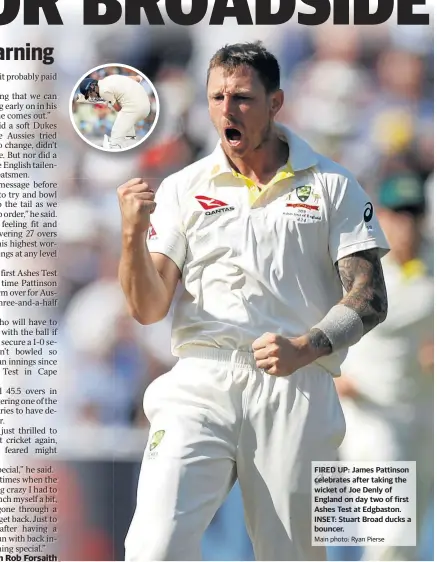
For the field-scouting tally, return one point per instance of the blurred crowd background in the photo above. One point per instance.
(364, 97)
(94, 120)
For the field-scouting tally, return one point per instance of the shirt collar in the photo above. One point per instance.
(302, 156)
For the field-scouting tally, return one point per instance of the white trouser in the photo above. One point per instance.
(377, 433)
(224, 418)
(124, 125)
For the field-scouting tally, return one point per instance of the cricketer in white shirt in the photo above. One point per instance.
(133, 100)
(257, 266)
(266, 266)
(249, 268)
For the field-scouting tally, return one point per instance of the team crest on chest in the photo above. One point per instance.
(303, 192)
(303, 204)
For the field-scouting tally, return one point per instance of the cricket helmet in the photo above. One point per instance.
(87, 85)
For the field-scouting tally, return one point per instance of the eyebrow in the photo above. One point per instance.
(236, 93)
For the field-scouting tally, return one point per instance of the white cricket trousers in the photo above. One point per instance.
(223, 418)
(124, 124)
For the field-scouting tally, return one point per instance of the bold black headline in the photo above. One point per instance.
(135, 12)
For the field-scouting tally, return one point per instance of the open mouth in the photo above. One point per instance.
(233, 136)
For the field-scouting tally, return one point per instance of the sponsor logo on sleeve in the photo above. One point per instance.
(368, 212)
(368, 215)
(151, 234)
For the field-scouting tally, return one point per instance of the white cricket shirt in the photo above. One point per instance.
(260, 262)
(125, 91)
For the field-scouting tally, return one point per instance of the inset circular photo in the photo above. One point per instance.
(114, 107)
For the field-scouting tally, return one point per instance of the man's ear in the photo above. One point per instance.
(276, 101)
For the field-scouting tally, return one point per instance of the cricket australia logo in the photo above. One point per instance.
(302, 205)
(303, 192)
(156, 439)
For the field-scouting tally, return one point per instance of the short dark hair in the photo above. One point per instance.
(254, 55)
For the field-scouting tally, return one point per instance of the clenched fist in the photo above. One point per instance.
(280, 356)
(137, 203)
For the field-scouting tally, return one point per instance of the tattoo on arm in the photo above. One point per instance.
(363, 279)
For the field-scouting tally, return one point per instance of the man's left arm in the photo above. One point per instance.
(363, 307)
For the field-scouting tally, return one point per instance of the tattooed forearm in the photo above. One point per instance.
(363, 279)
(362, 308)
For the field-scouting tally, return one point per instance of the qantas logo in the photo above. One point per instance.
(208, 203)
(213, 206)
(152, 232)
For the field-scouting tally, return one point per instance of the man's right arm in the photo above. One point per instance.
(148, 280)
